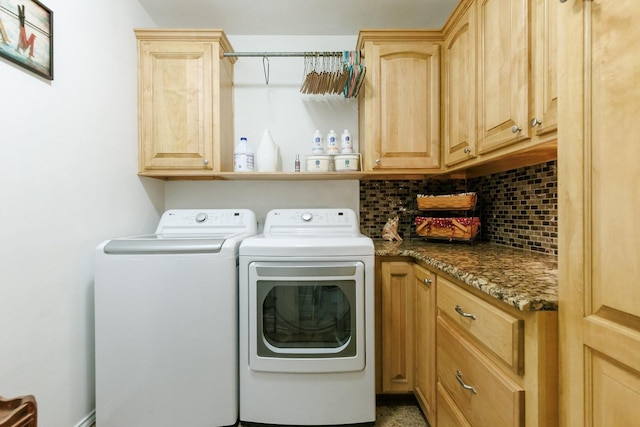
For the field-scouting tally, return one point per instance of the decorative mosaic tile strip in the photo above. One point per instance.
(517, 208)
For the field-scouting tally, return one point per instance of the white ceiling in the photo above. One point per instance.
(299, 17)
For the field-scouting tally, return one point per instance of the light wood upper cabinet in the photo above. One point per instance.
(399, 105)
(544, 36)
(503, 73)
(397, 321)
(185, 103)
(598, 109)
(459, 86)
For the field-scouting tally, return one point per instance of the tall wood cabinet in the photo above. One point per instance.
(399, 104)
(185, 103)
(599, 199)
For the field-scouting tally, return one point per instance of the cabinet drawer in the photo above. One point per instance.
(449, 415)
(500, 332)
(486, 396)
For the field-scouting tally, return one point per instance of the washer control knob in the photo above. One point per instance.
(307, 216)
(201, 217)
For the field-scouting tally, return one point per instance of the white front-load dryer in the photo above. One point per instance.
(307, 321)
(166, 322)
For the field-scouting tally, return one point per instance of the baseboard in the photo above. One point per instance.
(88, 421)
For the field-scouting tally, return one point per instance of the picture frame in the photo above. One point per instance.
(26, 35)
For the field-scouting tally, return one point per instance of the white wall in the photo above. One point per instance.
(291, 117)
(67, 181)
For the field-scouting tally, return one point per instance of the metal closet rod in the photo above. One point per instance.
(270, 54)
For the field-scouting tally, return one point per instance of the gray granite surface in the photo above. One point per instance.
(523, 279)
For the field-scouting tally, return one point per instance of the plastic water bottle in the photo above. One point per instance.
(318, 144)
(332, 143)
(346, 146)
(243, 157)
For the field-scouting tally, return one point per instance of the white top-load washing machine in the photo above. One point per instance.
(307, 321)
(166, 322)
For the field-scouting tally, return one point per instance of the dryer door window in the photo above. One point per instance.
(306, 317)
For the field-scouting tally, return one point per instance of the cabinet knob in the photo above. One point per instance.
(563, 1)
(535, 122)
(467, 150)
(515, 129)
(377, 161)
(205, 162)
(427, 281)
(463, 314)
(465, 386)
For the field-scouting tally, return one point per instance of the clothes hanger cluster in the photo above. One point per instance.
(333, 73)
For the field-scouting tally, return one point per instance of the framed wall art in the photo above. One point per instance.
(26, 35)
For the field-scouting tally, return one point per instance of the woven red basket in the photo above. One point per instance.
(447, 228)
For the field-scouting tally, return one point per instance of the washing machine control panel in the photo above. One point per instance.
(198, 221)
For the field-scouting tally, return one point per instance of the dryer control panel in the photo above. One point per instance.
(312, 223)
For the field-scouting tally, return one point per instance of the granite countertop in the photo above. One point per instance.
(523, 279)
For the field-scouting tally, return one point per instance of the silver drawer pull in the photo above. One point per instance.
(463, 314)
(466, 387)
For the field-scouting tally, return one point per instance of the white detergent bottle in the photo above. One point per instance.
(346, 146)
(318, 145)
(267, 153)
(332, 143)
(243, 157)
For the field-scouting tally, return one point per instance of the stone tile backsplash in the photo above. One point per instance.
(517, 208)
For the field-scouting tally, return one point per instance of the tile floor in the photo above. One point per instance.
(398, 411)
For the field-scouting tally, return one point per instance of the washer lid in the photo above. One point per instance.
(161, 244)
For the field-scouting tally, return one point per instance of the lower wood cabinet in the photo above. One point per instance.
(470, 359)
(484, 394)
(449, 415)
(396, 369)
(425, 341)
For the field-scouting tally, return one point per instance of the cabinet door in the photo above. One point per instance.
(400, 117)
(185, 103)
(425, 341)
(503, 73)
(459, 86)
(175, 81)
(598, 110)
(545, 66)
(397, 327)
